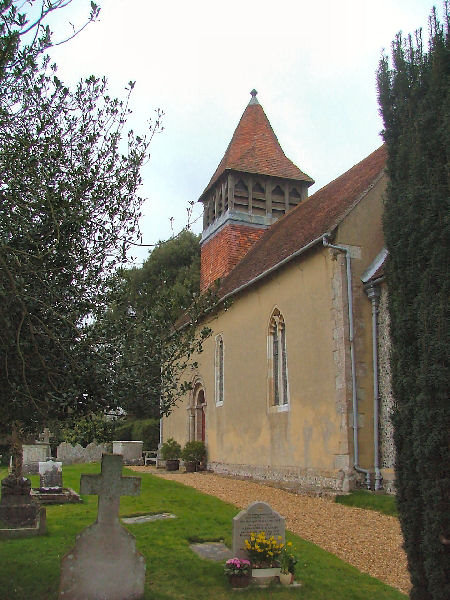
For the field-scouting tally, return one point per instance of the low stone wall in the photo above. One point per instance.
(70, 455)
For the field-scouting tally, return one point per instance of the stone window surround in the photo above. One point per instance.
(277, 324)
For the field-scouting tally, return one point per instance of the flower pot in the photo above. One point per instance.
(172, 464)
(286, 578)
(190, 466)
(239, 581)
(265, 576)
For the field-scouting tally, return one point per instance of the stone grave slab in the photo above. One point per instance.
(257, 517)
(216, 551)
(104, 564)
(147, 518)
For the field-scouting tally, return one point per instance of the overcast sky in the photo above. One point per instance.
(312, 62)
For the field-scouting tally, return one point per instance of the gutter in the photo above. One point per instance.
(351, 334)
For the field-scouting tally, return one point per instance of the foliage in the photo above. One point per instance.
(237, 566)
(92, 428)
(414, 97)
(263, 552)
(170, 450)
(194, 451)
(381, 503)
(287, 559)
(146, 430)
(150, 352)
(30, 568)
(69, 210)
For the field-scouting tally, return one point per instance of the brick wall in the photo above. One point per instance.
(222, 252)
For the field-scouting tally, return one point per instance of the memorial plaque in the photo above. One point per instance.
(258, 517)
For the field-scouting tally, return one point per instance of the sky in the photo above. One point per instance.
(313, 64)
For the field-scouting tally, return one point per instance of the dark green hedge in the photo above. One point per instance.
(146, 430)
(415, 103)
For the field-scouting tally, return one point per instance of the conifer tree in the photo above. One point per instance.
(414, 97)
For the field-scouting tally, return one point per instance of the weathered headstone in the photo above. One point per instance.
(21, 514)
(33, 454)
(104, 563)
(51, 475)
(130, 450)
(45, 436)
(258, 517)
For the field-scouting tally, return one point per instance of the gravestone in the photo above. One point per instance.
(45, 436)
(104, 563)
(21, 514)
(258, 517)
(33, 454)
(51, 475)
(130, 450)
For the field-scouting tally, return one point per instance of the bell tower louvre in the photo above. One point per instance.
(254, 185)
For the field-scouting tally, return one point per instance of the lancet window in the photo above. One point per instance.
(277, 355)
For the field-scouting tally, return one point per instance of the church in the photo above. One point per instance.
(293, 385)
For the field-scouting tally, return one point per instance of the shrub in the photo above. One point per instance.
(88, 429)
(170, 450)
(194, 452)
(146, 430)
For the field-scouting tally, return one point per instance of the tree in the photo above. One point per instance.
(414, 97)
(69, 210)
(150, 353)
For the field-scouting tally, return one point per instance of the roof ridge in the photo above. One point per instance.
(325, 210)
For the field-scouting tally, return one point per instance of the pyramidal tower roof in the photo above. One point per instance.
(254, 148)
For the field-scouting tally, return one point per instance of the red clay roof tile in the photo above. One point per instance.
(254, 148)
(306, 222)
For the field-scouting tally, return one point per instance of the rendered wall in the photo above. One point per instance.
(311, 442)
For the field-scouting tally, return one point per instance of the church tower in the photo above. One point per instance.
(253, 186)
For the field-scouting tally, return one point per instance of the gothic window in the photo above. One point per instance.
(219, 370)
(278, 377)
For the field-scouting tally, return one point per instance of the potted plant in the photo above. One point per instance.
(193, 454)
(170, 452)
(264, 553)
(238, 572)
(287, 564)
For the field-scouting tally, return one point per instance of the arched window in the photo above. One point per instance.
(277, 358)
(219, 370)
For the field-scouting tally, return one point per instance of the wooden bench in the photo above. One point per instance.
(149, 457)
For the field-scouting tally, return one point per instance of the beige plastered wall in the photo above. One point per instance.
(310, 442)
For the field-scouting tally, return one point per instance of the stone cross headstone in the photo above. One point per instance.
(45, 436)
(51, 475)
(258, 517)
(104, 563)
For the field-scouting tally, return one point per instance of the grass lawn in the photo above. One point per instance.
(29, 568)
(362, 499)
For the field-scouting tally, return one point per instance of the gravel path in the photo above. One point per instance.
(366, 539)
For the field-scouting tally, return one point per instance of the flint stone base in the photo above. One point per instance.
(103, 565)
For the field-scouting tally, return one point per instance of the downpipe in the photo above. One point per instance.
(351, 332)
(373, 293)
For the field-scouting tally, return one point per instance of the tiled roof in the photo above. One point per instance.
(307, 222)
(254, 148)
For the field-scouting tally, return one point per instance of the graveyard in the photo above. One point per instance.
(167, 519)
